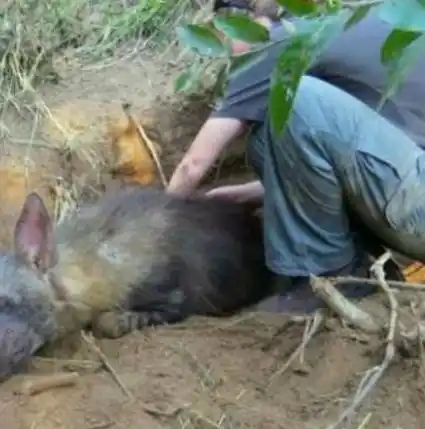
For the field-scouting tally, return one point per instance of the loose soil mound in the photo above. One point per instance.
(26, 165)
(213, 374)
(67, 147)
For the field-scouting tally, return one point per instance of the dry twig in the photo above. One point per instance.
(312, 326)
(373, 375)
(43, 383)
(151, 147)
(89, 340)
(365, 421)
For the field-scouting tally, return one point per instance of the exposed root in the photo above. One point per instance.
(372, 376)
(417, 287)
(397, 335)
(342, 306)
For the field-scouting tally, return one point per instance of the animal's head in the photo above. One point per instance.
(26, 310)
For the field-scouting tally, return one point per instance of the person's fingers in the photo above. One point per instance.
(210, 193)
(217, 191)
(219, 195)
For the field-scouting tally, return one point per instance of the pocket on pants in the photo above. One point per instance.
(405, 211)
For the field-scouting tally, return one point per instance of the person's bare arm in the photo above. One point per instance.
(213, 137)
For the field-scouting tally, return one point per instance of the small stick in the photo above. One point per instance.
(89, 340)
(305, 335)
(365, 421)
(41, 384)
(318, 319)
(126, 107)
(324, 289)
(378, 270)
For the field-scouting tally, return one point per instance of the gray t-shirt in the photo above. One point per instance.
(351, 63)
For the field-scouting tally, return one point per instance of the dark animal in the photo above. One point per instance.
(133, 259)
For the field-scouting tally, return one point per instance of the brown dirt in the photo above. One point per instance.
(212, 374)
(68, 142)
(203, 373)
(25, 166)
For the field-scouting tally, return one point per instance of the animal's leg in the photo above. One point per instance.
(116, 324)
(159, 300)
(71, 317)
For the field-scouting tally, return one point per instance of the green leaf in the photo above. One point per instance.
(403, 14)
(299, 7)
(239, 63)
(241, 27)
(357, 16)
(395, 43)
(400, 66)
(201, 39)
(331, 6)
(221, 81)
(188, 79)
(183, 82)
(292, 64)
(297, 57)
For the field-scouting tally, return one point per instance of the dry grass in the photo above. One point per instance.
(33, 33)
(41, 40)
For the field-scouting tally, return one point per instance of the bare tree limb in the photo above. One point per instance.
(342, 306)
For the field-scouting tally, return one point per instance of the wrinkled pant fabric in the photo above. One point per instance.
(337, 156)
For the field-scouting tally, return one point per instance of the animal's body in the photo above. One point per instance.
(136, 258)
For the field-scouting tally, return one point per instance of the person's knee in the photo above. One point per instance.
(313, 123)
(327, 114)
(312, 95)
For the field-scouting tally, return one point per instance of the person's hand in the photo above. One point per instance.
(212, 138)
(228, 192)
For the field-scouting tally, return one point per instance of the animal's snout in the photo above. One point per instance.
(18, 342)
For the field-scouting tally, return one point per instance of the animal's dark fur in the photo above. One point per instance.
(136, 258)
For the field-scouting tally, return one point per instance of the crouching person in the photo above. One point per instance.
(342, 181)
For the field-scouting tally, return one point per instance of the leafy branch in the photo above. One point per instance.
(322, 21)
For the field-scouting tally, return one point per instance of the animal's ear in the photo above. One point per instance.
(34, 235)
